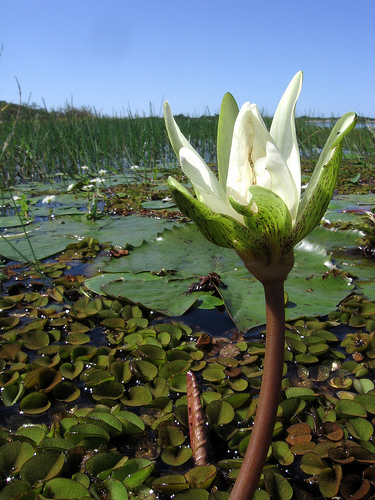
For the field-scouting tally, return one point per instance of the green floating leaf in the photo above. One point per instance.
(134, 472)
(18, 490)
(71, 371)
(143, 370)
(13, 455)
(11, 394)
(56, 443)
(80, 432)
(300, 392)
(42, 466)
(121, 371)
(329, 481)
(33, 433)
(212, 374)
(107, 421)
(176, 456)
(157, 205)
(193, 494)
(363, 385)
(50, 237)
(138, 395)
(152, 353)
(169, 435)
(360, 428)
(34, 403)
(349, 408)
(35, 339)
(220, 412)
(367, 401)
(65, 488)
(132, 278)
(312, 464)
(109, 389)
(116, 489)
(100, 462)
(146, 289)
(131, 423)
(201, 476)
(277, 486)
(170, 484)
(261, 495)
(281, 452)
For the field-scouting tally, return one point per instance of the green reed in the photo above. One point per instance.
(61, 141)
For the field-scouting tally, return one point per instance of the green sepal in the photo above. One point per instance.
(319, 192)
(222, 230)
(267, 215)
(228, 114)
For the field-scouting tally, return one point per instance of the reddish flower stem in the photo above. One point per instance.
(261, 435)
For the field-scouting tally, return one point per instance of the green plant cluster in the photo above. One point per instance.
(94, 401)
(47, 143)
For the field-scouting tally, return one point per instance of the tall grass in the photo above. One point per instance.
(61, 141)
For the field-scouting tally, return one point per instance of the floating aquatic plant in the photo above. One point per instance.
(256, 208)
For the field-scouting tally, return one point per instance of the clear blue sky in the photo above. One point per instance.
(118, 54)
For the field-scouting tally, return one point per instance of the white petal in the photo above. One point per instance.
(240, 173)
(176, 137)
(250, 137)
(283, 128)
(273, 173)
(206, 185)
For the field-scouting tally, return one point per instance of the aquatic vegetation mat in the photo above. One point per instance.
(93, 400)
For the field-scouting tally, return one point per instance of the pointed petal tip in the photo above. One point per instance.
(343, 126)
(167, 108)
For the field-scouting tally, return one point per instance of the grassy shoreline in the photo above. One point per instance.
(62, 141)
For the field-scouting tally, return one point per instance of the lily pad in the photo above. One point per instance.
(132, 278)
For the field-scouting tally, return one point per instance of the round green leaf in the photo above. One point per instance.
(42, 466)
(34, 403)
(360, 428)
(176, 456)
(220, 412)
(329, 481)
(277, 486)
(64, 488)
(349, 408)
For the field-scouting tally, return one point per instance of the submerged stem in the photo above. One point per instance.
(261, 435)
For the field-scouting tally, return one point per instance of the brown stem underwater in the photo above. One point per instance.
(261, 435)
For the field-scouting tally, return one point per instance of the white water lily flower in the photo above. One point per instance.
(255, 205)
(49, 199)
(97, 181)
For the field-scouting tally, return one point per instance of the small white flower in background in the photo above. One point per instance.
(16, 198)
(88, 187)
(85, 168)
(70, 187)
(134, 167)
(102, 172)
(49, 199)
(97, 181)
